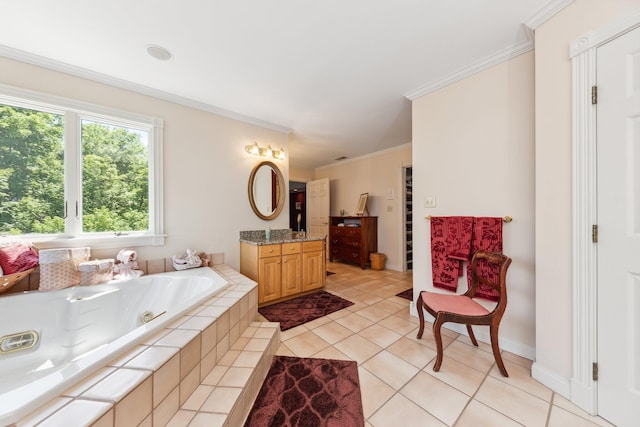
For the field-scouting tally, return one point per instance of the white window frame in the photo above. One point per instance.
(74, 112)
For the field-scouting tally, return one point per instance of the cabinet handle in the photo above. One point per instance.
(270, 250)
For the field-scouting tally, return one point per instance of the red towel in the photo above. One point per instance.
(460, 230)
(487, 236)
(445, 270)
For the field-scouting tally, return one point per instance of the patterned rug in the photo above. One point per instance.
(297, 311)
(408, 294)
(308, 392)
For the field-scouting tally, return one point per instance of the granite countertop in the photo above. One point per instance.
(262, 241)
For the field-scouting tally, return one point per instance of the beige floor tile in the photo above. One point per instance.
(506, 355)
(458, 375)
(439, 399)
(374, 391)
(374, 314)
(478, 415)
(389, 306)
(331, 353)
(391, 369)
(380, 335)
(401, 411)
(568, 406)
(355, 322)
(357, 348)
(561, 418)
(520, 376)
(398, 324)
(306, 344)
(332, 332)
(513, 402)
(469, 355)
(283, 350)
(416, 354)
(293, 332)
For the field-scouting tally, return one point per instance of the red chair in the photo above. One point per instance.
(464, 310)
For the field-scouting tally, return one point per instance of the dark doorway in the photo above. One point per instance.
(297, 205)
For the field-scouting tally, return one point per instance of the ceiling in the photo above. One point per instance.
(338, 75)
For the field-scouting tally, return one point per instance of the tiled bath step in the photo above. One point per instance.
(213, 346)
(226, 395)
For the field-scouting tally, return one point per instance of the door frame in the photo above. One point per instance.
(584, 391)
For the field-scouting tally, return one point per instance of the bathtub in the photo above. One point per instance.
(57, 338)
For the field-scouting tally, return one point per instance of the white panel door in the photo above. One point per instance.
(618, 187)
(318, 207)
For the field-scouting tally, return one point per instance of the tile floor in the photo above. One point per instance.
(395, 369)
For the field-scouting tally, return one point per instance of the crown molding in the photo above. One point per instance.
(461, 74)
(528, 28)
(50, 64)
(547, 12)
(366, 156)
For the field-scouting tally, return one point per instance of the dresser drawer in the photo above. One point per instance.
(345, 242)
(346, 254)
(291, 248)
(269, 250)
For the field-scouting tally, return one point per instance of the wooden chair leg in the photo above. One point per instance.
(496, 350)
(420, 315)
(437, 324)
(471, 336)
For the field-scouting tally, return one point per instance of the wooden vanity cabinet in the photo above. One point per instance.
(284, 270)
(314, 267)
(291, 269)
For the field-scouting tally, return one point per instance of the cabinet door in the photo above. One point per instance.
(269, 279)
(313, 273)
(291, 274)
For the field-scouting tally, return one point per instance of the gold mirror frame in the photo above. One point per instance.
(279, 191)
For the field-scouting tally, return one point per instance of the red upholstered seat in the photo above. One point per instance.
(464, 310)
(460, 304)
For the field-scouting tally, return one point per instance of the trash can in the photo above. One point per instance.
(377, 261)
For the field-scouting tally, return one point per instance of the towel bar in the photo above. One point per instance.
(506, 219)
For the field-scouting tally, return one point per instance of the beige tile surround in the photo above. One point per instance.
(214, 359)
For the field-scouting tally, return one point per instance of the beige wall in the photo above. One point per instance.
(553, 181)
(473, 149)
(377, 174)
(301, 175)
(206, 169)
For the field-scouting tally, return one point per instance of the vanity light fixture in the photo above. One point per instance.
(267, 151)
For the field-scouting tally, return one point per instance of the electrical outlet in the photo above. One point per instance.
(389, 208)
(430, 202)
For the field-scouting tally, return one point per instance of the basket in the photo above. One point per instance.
(96, 271)
(377, 261)
(59, 267)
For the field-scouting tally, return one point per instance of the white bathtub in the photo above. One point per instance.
(82, 328)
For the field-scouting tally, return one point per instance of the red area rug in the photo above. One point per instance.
(301, 392)
(297, 311)
(408, 294)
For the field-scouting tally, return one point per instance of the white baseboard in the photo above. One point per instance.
(560, 385)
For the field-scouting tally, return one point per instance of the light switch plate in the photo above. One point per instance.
(430, 202)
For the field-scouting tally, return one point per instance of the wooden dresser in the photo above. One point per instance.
(353, 238)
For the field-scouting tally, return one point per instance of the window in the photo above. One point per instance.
(69, 170)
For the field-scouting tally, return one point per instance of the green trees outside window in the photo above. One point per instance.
(114, 174)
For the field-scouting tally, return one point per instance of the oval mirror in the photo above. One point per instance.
(266, 190)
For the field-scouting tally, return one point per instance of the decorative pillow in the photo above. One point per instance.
(17, 257)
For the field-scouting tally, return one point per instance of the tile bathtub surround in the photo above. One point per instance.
(214, 343)
(153, 266)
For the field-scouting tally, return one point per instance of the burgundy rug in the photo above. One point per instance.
(308, 393)
(408, 294)
(297, 311)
